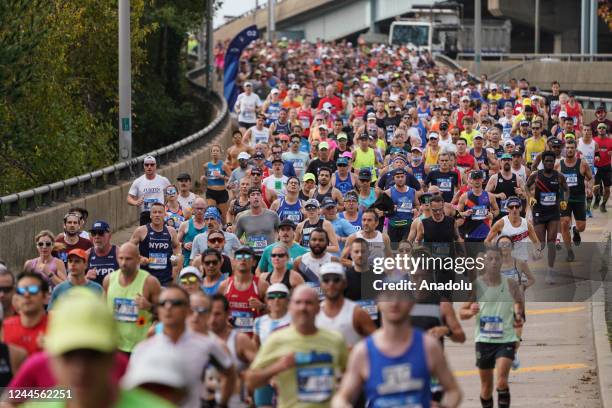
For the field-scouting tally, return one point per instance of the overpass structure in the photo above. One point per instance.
(325, 19)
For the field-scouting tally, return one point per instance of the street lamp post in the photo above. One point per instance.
(209, 45)
(477, 35)
(125, 82)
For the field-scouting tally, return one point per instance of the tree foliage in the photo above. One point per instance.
(58, 84)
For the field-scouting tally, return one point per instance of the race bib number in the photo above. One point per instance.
(258, 242)
(305, 123)
(445, 185)
(492, 327)
(158, 260)
(370, 307)
(405, 207)
(315, 384)
(480, 212)
(125, 310)
(503, 206)
(548, 198)
(295, 217)
(533, 156)
(148, 202)
(243, 321)
(434, 167)
(571, 179)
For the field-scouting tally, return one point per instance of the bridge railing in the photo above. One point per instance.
(62, 191)
(469, 56)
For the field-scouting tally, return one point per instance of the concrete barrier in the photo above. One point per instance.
(17, 235)
(573, 76)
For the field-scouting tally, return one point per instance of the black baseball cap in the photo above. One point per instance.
(287, 223)
(244, 250)
(183, 176)
(365, 174)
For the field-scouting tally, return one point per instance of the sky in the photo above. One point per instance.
(234, 8)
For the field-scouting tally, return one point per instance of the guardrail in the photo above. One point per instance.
(61, 191)
(490, 56)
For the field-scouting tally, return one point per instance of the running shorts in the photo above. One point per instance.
(488, 353)
(578, 209)
(220, 196)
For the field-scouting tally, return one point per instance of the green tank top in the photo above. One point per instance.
(132, 323)
(496, 317)
(365, 160)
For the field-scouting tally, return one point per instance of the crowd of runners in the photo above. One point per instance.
(242, 286)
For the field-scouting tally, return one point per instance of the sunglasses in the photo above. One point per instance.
(6, 289)
(210, 263)
(97, 233)
(278, 295)
(172, 302)
(333, 279)
(189, 279)
(200, 310)
(171, 191)
(44, 244)
(278, 255)
(514, 207)
(149, 165)
(341, 165)
(32, 290)
(216, 240)
(240, 257)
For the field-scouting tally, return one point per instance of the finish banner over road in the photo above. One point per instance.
(232, 63)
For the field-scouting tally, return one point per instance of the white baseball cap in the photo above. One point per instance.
(332, 268)
(274, 91)
(295, 87)
(150, 159)
(278, 288)
(190, 270)
(244, 156)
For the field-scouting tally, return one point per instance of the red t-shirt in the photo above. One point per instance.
(82, 243)
(335, 102)
(305, 117)
(36, 372)
(24, 337)
(605, 147)
(466, 161)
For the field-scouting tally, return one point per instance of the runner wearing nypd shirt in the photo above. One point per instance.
(159, 247)
(446, 179)
(102, 257)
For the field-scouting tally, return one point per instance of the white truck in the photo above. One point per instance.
(443, 31)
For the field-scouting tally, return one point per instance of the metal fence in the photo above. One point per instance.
(62, 191)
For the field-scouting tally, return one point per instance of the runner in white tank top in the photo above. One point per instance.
(376, 245)
(259, 136)
(516, 234)
(350, 320)
(520, 173)
(587, 152)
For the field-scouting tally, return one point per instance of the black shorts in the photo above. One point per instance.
(545, 217)
(578, 209)
(603, 176)
(220, 196)
(246, 125)
(488, 353)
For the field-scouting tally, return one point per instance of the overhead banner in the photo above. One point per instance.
(232, 63)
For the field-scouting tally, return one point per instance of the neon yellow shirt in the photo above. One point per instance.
(320, 359)
(533, 147)
(469, 136)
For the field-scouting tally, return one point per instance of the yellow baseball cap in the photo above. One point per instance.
(80, 320)
(309, 176)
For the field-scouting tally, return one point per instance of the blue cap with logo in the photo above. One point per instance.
(100, 226)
